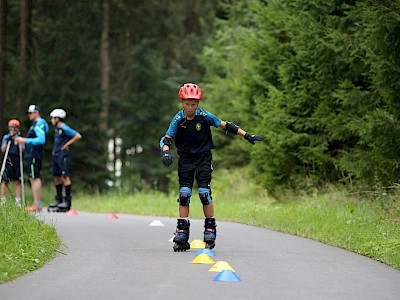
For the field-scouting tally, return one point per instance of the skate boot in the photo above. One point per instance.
(210, 232)
(182, 236)
(54, 206)
(65, 205)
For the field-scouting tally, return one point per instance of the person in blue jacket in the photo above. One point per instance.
(191, 130)
(64, 136)
(34, 150)
(12, 171)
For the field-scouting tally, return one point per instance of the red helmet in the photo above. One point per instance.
(190, 91)
(14, 123)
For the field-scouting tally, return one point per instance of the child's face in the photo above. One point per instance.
(54, 121)
(13, 130)
(190, 106)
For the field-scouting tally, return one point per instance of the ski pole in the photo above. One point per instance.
(21, 165)
(3, 166)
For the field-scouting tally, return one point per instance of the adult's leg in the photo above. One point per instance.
(36, 184)
(35, 166)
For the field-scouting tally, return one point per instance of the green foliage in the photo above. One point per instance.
(228, 80)
(153, 49)
(152, 57)
(64, 72)
(317, 79)
(26, 242)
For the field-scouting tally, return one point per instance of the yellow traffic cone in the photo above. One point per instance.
(221, 266)
(202, 259)
(197, 244)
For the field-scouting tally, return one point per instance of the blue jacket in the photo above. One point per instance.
(36, 138)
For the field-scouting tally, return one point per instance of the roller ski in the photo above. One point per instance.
(210, 232)
(59, 205)
(182, 236)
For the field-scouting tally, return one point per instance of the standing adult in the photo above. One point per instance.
(34, 150)
(64, 136)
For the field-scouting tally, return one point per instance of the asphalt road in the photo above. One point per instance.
(126, 258)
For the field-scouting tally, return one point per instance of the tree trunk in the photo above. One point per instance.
(24, 52)
(3, 22)
(105, 67)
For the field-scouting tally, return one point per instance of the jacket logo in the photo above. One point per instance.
(198, 126)
(60, 131)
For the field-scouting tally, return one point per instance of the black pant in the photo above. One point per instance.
(191, 165)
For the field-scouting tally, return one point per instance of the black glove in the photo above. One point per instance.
(167, 158)
(252, 138)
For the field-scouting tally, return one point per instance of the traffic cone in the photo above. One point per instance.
(207, 251)
(202, 259)
(112, 216)
(221, 266)
(227, 276)
(156, 223)
(72, 212)
(196, 244)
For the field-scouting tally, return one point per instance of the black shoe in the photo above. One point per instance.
(64, 206)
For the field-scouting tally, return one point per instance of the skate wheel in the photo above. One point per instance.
(181, 247)
(210, 245)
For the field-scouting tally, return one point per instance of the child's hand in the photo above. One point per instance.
(252, 138)
(167, 158)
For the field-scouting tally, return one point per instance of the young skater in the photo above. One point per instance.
(190, 129)
(64, 136)
(12, 170)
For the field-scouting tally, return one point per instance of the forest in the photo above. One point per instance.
(317, 79)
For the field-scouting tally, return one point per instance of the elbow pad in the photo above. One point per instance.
(231, 128)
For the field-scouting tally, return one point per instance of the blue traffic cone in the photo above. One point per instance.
(227, 276)
(207, 251)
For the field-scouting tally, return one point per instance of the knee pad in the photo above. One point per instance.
(184, 196)
(205, 196)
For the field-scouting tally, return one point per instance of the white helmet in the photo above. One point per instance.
(58, 113)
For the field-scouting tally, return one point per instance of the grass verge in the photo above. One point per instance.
(26, 243)
(334, 217)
